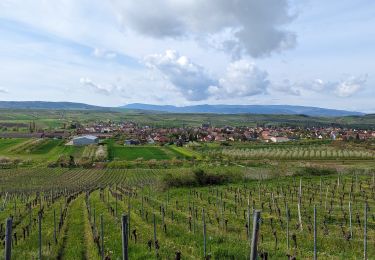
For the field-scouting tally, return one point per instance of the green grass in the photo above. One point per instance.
(6, 144)
(144, 152)
(38, 154)
(186, 152)
(75, 246)
(46, 147)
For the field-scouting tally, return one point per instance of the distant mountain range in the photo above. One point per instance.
(244, 109)
(48, 105)
(215, 109)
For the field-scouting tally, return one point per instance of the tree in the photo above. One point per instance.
(71, 161)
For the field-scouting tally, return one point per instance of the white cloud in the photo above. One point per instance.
(287, 87)
(103, 53)
(350, 86)
(3, 90)
(318, 85)
(191, 79)
(343, 88)
(242, 79)
(96, 87)
(257, 27)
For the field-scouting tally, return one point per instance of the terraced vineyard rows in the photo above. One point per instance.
(294, 153)
(85, 208)
(42, 179)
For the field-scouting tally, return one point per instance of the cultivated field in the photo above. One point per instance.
(168, 210)
(295, 153)
(32, 152)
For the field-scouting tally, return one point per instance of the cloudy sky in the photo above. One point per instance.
(183, 52)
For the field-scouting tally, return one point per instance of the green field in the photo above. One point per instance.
(51, 119)
(134, 153)
(80, 198)
(47, 146)
(37, 152)
(6, 144)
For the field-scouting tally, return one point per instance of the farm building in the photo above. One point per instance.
(85, 140)
(279, 139)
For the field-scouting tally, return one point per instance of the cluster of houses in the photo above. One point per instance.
(134, 134)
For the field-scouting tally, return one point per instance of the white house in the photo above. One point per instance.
(279, 139)
(85, 140)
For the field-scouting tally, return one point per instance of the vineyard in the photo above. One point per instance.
(293, 153)
(76, 214)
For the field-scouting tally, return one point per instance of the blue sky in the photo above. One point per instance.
(313, 53)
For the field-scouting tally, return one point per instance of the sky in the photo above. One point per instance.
(187, 52)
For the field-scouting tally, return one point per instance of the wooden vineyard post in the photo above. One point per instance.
(155, 238)
(204, 234)
(255, 235)
(124, 237)
(299, 215)
(365, 234)
(287, 226)
(315, 234)
(102, 235)
(40, 235)
(8, 239)
(54, 226)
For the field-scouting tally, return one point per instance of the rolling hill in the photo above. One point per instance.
(246, 109)
(210, 109)
(48, 105)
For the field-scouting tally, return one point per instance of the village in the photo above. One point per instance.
(134, 134)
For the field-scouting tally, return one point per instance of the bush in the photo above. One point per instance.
(174, 180)
(315, 171)
(199, 177)
(204, 178)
